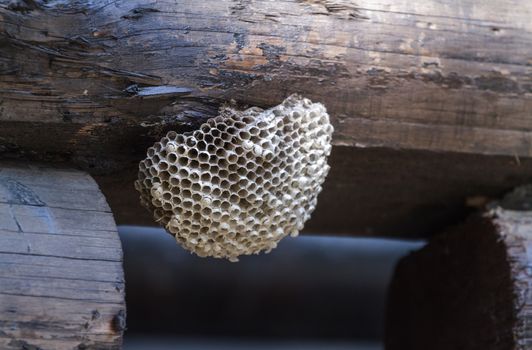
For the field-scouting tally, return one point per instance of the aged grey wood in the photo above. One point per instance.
(61, 276)
(470, 287)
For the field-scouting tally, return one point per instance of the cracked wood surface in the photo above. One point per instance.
(61, 277)
(430, 75)
(431, 100)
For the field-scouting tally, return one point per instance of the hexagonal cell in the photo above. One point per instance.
(242, 182)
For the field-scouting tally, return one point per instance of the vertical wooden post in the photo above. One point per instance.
(61, 277)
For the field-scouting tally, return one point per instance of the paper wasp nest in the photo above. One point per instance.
(243, 181)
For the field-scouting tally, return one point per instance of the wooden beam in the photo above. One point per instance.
(96, 83)
(61, 276)
(470, 287)
(102, 78)
(377, 191)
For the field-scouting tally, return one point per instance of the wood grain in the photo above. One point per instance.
(103, 79)
(431, 100)
(61, 276)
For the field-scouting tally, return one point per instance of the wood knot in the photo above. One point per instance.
(118, 324)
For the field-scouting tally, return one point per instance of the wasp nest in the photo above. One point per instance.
(243, 181)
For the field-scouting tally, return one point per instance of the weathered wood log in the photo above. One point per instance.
(95, 83)
(470, 287)
(431, 75)
(61, 276)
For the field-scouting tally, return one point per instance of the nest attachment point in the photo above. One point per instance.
(243, 181)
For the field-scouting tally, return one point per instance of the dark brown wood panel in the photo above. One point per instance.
(378, 191)
(469, 288)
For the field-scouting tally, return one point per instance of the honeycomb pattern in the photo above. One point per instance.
(243, 181)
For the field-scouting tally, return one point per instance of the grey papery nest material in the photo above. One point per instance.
(243, 181)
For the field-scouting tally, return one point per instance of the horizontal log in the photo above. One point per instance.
(300, 280)
(96, 83)
(61, 276)
(377, 191)
(101, 77)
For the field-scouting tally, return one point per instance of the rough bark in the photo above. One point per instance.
(92, 80)
(95, 83)
(61, 276)
(469, 288)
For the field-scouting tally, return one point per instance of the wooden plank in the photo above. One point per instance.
(470, 287)
(61, 276)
